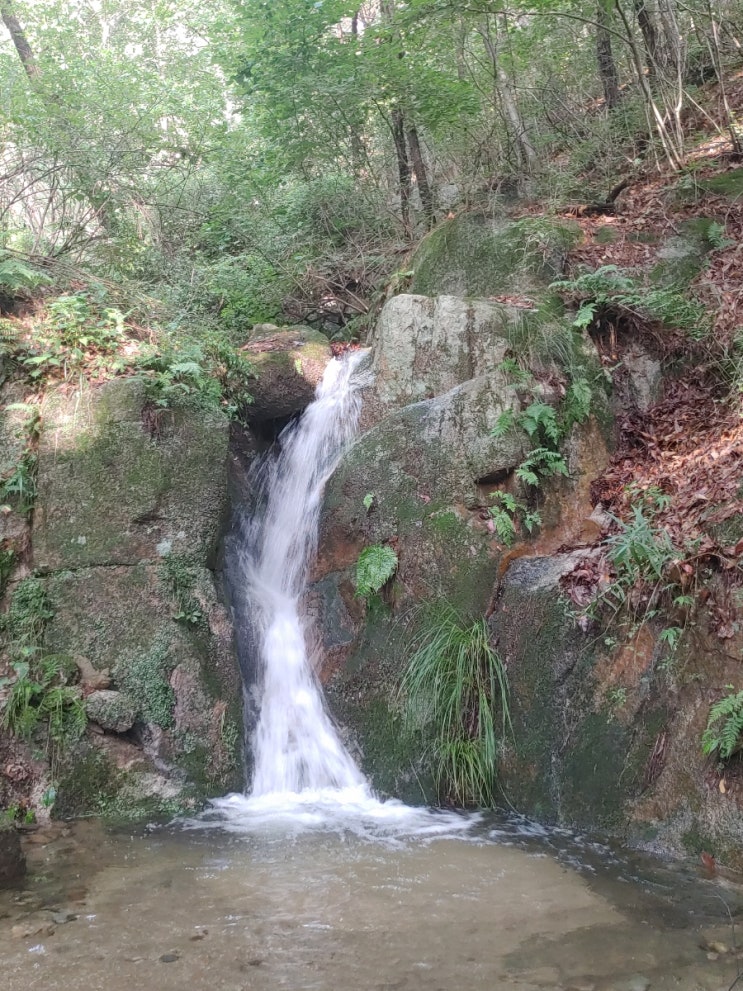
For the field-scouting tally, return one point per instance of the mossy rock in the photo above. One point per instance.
(178, 678)
(289, 364)
(116, 487)
(569, 759)
(473, 255)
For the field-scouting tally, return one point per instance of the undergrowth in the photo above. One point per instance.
(455, 691)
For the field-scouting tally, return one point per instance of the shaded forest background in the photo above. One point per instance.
(245, 161)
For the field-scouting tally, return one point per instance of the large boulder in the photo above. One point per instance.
(289, 364)
(120, 482)
(420, 479)
(131, 504)
(475, 255)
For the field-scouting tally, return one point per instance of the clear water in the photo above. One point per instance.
(511, 906)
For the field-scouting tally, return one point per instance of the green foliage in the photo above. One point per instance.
(178, 575)
(541, 463)
(453, 685)
(201, 375)
(18, 486)
(510, 514)
(374, 568)
(144, 678)
(608, 289)
(40, 693)
(724, 726)
(17, 274)
(24, 622)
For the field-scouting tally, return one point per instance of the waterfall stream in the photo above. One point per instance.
(296, 747)
(302, 772)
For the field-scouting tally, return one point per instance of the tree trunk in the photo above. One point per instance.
(421, 176)
(649, 35)
(25, 52)
(403, 168)
(504, 89)
(605, 57)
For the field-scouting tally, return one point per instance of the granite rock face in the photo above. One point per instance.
(131, 504)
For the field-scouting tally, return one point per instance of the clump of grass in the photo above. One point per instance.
(456, 691)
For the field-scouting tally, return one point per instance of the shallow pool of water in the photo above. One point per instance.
(491, 903)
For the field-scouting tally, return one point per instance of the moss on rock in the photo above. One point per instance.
(473, 255)
(117, 488)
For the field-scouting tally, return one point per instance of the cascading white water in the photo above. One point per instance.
(303, 775)
(296, 747)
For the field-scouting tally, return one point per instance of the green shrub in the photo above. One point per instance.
(40, 693)
(453, 685)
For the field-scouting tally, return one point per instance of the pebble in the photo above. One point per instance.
(635, 982)
(169, 957)
(63, 916)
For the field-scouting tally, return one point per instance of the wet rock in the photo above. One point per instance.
(290, 363)
(12, 860)
(112, 710)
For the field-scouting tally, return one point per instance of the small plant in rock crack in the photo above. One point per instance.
(509, 515)
(374, 568)
(455, 689)
(722, 735)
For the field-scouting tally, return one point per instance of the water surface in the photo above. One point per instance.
(499, 904)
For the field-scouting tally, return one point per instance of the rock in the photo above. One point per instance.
(169, 957)
(90, 676)
(645, 376)
(424, 346)
(290, 363)
(473, 255)
(112, 710)
(114, 489)
(636, 982)
(63, 916)
(12, 860)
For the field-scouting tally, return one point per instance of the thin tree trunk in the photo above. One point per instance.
(403, 168)
(99, 202)
(18, 36)
(649, 36)
(503, 86)
(605, 56)
(674, 151)
(421, 176)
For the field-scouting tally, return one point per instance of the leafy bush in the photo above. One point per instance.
(453, 685)
(374, 568)
(607, 288)
(724, 726)
(40, 693)
(17, 274)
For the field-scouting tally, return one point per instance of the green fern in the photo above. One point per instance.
(724, 726)
(540, 463)
(374, 568)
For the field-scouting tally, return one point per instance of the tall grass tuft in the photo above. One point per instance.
(454, 685)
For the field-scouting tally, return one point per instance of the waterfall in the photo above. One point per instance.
(303, 776)
(295, 747)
